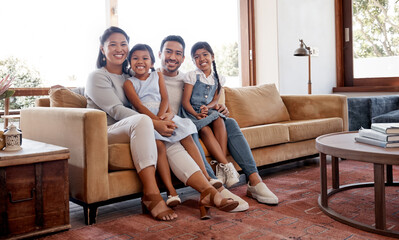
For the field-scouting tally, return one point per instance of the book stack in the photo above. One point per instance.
(381, 134)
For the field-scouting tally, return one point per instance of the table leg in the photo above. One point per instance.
(323, 180)
(335, 172)
(379, 195)
(389, 174)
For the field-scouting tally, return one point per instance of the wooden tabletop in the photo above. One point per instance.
(343, 145)
(33, 152)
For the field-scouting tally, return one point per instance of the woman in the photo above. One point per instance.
(104, 91)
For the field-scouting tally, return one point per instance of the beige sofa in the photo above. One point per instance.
(276, 128)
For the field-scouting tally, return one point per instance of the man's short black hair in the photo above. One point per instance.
(174, 38)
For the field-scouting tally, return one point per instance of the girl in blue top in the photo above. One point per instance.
(201, 94)
(147, 93)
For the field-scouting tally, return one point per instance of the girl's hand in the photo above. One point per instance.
(204, 109)
(167, 116)
(200, 116)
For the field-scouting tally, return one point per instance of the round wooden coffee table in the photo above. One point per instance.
(343, 145)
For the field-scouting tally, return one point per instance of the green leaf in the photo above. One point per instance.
(7, 94)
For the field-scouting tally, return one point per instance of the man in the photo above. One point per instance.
(172, 56)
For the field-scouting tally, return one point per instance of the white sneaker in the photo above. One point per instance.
(242, 204)
(219, 171)
(262, 194)
(231, 175)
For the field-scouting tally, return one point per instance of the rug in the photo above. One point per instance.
(297, 216)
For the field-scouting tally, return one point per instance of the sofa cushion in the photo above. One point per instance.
(255, 105)
(265, 135)
(300, 130)
(63, 97)
(119, 157)
(390, 117)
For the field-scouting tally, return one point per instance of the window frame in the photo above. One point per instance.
(344, 58)
(247, 36)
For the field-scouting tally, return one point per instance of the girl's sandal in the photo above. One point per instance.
(149, 202)
(173, 201)
(225, 205)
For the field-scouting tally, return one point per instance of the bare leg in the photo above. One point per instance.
(212, 144)
(254, 179)
(219, 130)
(150, 187)
(189, 144)
(164, 169)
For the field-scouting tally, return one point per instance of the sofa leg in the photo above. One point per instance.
(90, 213)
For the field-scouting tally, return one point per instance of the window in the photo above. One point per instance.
(194, 22)
(59, 39)
(48, 35)
(368, 44)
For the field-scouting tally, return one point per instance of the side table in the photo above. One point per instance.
(34, 190)
(343, 145)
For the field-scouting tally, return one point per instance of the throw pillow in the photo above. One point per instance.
(255, 105)
(63, 97)
(390, 117)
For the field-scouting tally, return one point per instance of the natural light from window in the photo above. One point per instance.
(375, 38)
(60, 39)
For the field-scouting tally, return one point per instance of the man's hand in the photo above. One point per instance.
(164, 127)
(222, 109)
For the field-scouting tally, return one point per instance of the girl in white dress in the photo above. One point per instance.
(147, 93)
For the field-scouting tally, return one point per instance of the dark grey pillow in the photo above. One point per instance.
(390, 117)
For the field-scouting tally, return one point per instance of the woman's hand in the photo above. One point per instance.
(222, 109)
(164, 127)
(167, 116)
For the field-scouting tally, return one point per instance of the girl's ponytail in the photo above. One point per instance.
(216, 75)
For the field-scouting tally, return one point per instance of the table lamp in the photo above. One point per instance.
(304, 50)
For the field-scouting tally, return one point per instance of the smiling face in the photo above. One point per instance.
(203, 60)
(172, 56)
(115, 50)
(141, 63)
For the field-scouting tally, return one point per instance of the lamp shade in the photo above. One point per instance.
(301, 51)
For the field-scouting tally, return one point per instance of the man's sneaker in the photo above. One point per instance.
(262, 194)
(231, 175)
(219, 171)
(242, 204)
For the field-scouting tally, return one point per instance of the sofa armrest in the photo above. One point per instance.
(301, 107)
(84, 132)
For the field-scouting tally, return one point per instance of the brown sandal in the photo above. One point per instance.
(224, 205)
(154, 200)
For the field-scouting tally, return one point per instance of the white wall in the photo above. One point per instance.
(311, 20)
(266, 42)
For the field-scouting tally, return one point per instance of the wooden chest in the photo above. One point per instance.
(34, 197)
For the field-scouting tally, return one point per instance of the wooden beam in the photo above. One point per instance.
(244, 42)
(111, 8)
